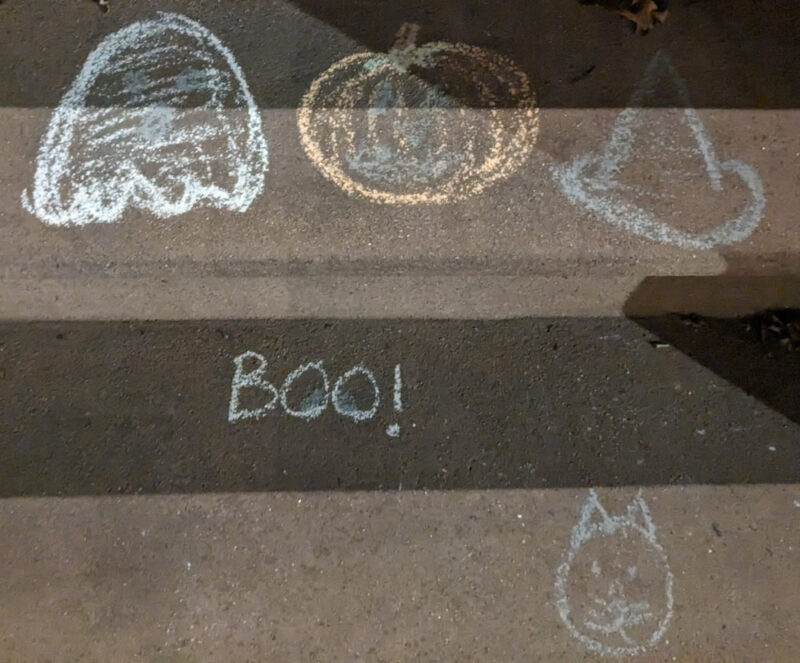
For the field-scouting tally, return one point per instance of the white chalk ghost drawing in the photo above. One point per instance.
(161, 119)
(594, 181)
(614, 588)
(420, 124)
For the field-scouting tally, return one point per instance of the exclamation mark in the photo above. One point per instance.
(393, 430)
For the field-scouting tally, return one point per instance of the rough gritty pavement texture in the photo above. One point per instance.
(97, 408)
(192, 561)
(306, 248)
(535, 489)
(412, 576)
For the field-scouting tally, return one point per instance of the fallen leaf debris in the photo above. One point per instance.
(782, 326)
(643, 14)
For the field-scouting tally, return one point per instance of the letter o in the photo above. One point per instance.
(354, 413)
(311, 412)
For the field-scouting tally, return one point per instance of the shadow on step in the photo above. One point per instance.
(148, 407)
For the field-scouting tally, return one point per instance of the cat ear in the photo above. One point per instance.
(593, 517)
(639, 517)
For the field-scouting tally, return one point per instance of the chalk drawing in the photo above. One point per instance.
(393, 430)
(592, 181)
(250, 374)
(344, 403)
(254, 378)
(316, 404)
(614, 588)
(159, 119)
(398, 389)
(421, 124)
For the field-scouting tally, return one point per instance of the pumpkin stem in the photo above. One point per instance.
(406, 37)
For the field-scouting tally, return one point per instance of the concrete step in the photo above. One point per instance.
(400, 576)
(145, 467)
(302, 487)
(94, 408)
(615, 180)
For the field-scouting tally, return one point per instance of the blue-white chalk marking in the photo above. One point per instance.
(591, 180)
(310, 408)
(122, 135)
(316, 401)
(613, 615)
(253, 379)
(346, 406)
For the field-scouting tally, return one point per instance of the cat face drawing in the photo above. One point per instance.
(614, 588)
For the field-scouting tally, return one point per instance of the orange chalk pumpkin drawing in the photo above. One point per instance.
(434, 123)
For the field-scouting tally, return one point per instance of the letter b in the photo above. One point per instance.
(253, 378)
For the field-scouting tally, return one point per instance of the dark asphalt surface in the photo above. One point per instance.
(733, 54)
(95, 408)
(172, 526)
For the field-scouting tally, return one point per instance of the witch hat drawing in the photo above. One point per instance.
(675, 145)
